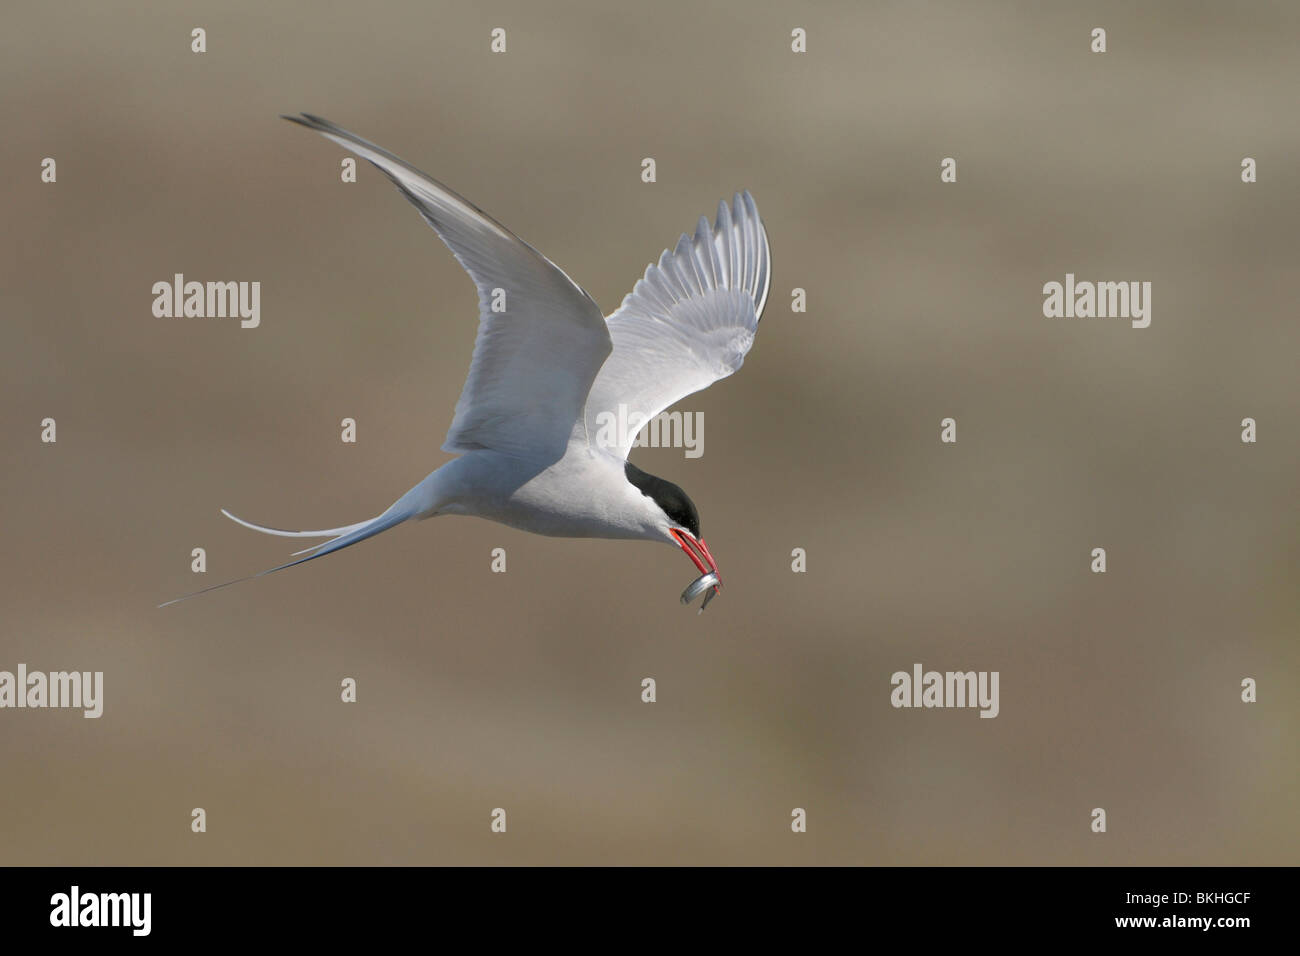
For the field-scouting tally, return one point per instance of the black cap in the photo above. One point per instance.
(669, 497)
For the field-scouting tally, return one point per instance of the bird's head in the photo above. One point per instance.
(675, 519)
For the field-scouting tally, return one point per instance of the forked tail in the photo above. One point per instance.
(340, 538)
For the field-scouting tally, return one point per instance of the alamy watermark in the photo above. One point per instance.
(75, 908)
(209, 300)
(1101, 300)
(624, 429)
(922, 688)
(75, 689)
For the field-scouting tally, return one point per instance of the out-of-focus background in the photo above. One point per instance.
(522, 690)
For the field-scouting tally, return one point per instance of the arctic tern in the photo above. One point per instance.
(547, 363)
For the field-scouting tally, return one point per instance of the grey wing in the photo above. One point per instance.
(689, 321)
(536, 358)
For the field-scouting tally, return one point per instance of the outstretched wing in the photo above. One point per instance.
(688, 322)
(534, 362)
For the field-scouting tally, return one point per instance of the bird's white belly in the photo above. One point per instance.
(580, 496)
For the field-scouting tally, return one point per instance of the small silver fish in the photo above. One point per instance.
(697, 587)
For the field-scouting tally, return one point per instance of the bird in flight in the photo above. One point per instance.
(547, 363)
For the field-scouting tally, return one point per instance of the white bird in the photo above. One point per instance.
(546, 367)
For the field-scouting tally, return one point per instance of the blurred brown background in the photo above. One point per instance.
(522, 690)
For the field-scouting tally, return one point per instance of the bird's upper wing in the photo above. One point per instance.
(687, 323)
(534, 362)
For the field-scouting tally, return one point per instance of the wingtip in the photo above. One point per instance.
(743, 204)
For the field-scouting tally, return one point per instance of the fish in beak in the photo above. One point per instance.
(698, 552)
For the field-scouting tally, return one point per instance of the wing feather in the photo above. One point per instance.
(533, 363)
(689, 321)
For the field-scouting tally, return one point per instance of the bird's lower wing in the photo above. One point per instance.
(541, 338)
(689, 321)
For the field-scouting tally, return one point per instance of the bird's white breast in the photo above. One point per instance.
(583, 495)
